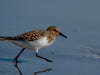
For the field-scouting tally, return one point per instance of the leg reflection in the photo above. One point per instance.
(42, 71)
(15, 64)
(35, 73)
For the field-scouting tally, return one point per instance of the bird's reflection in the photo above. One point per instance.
(15, 64)
(42, 71)
(35, 73)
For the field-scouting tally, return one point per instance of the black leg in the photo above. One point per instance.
(16, 58)
(43, 58)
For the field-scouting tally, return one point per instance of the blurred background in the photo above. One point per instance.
(78, 19)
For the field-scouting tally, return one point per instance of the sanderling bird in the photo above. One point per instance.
(35, 40)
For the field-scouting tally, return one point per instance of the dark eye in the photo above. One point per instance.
(55, 30)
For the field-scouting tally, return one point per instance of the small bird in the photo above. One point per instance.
(34, 40)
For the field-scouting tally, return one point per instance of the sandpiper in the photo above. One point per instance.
(35, 40)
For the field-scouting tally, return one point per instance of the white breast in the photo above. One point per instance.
(34, 45)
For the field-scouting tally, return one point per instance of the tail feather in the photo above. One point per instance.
(1, 38)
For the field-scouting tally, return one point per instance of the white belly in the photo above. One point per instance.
(33, 45)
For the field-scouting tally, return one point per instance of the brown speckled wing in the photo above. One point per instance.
(30, 36)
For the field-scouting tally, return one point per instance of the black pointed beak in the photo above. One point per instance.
(62, 35)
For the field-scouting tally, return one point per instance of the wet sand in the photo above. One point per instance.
(79, 54)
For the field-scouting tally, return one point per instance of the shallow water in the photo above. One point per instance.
(79, 54)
